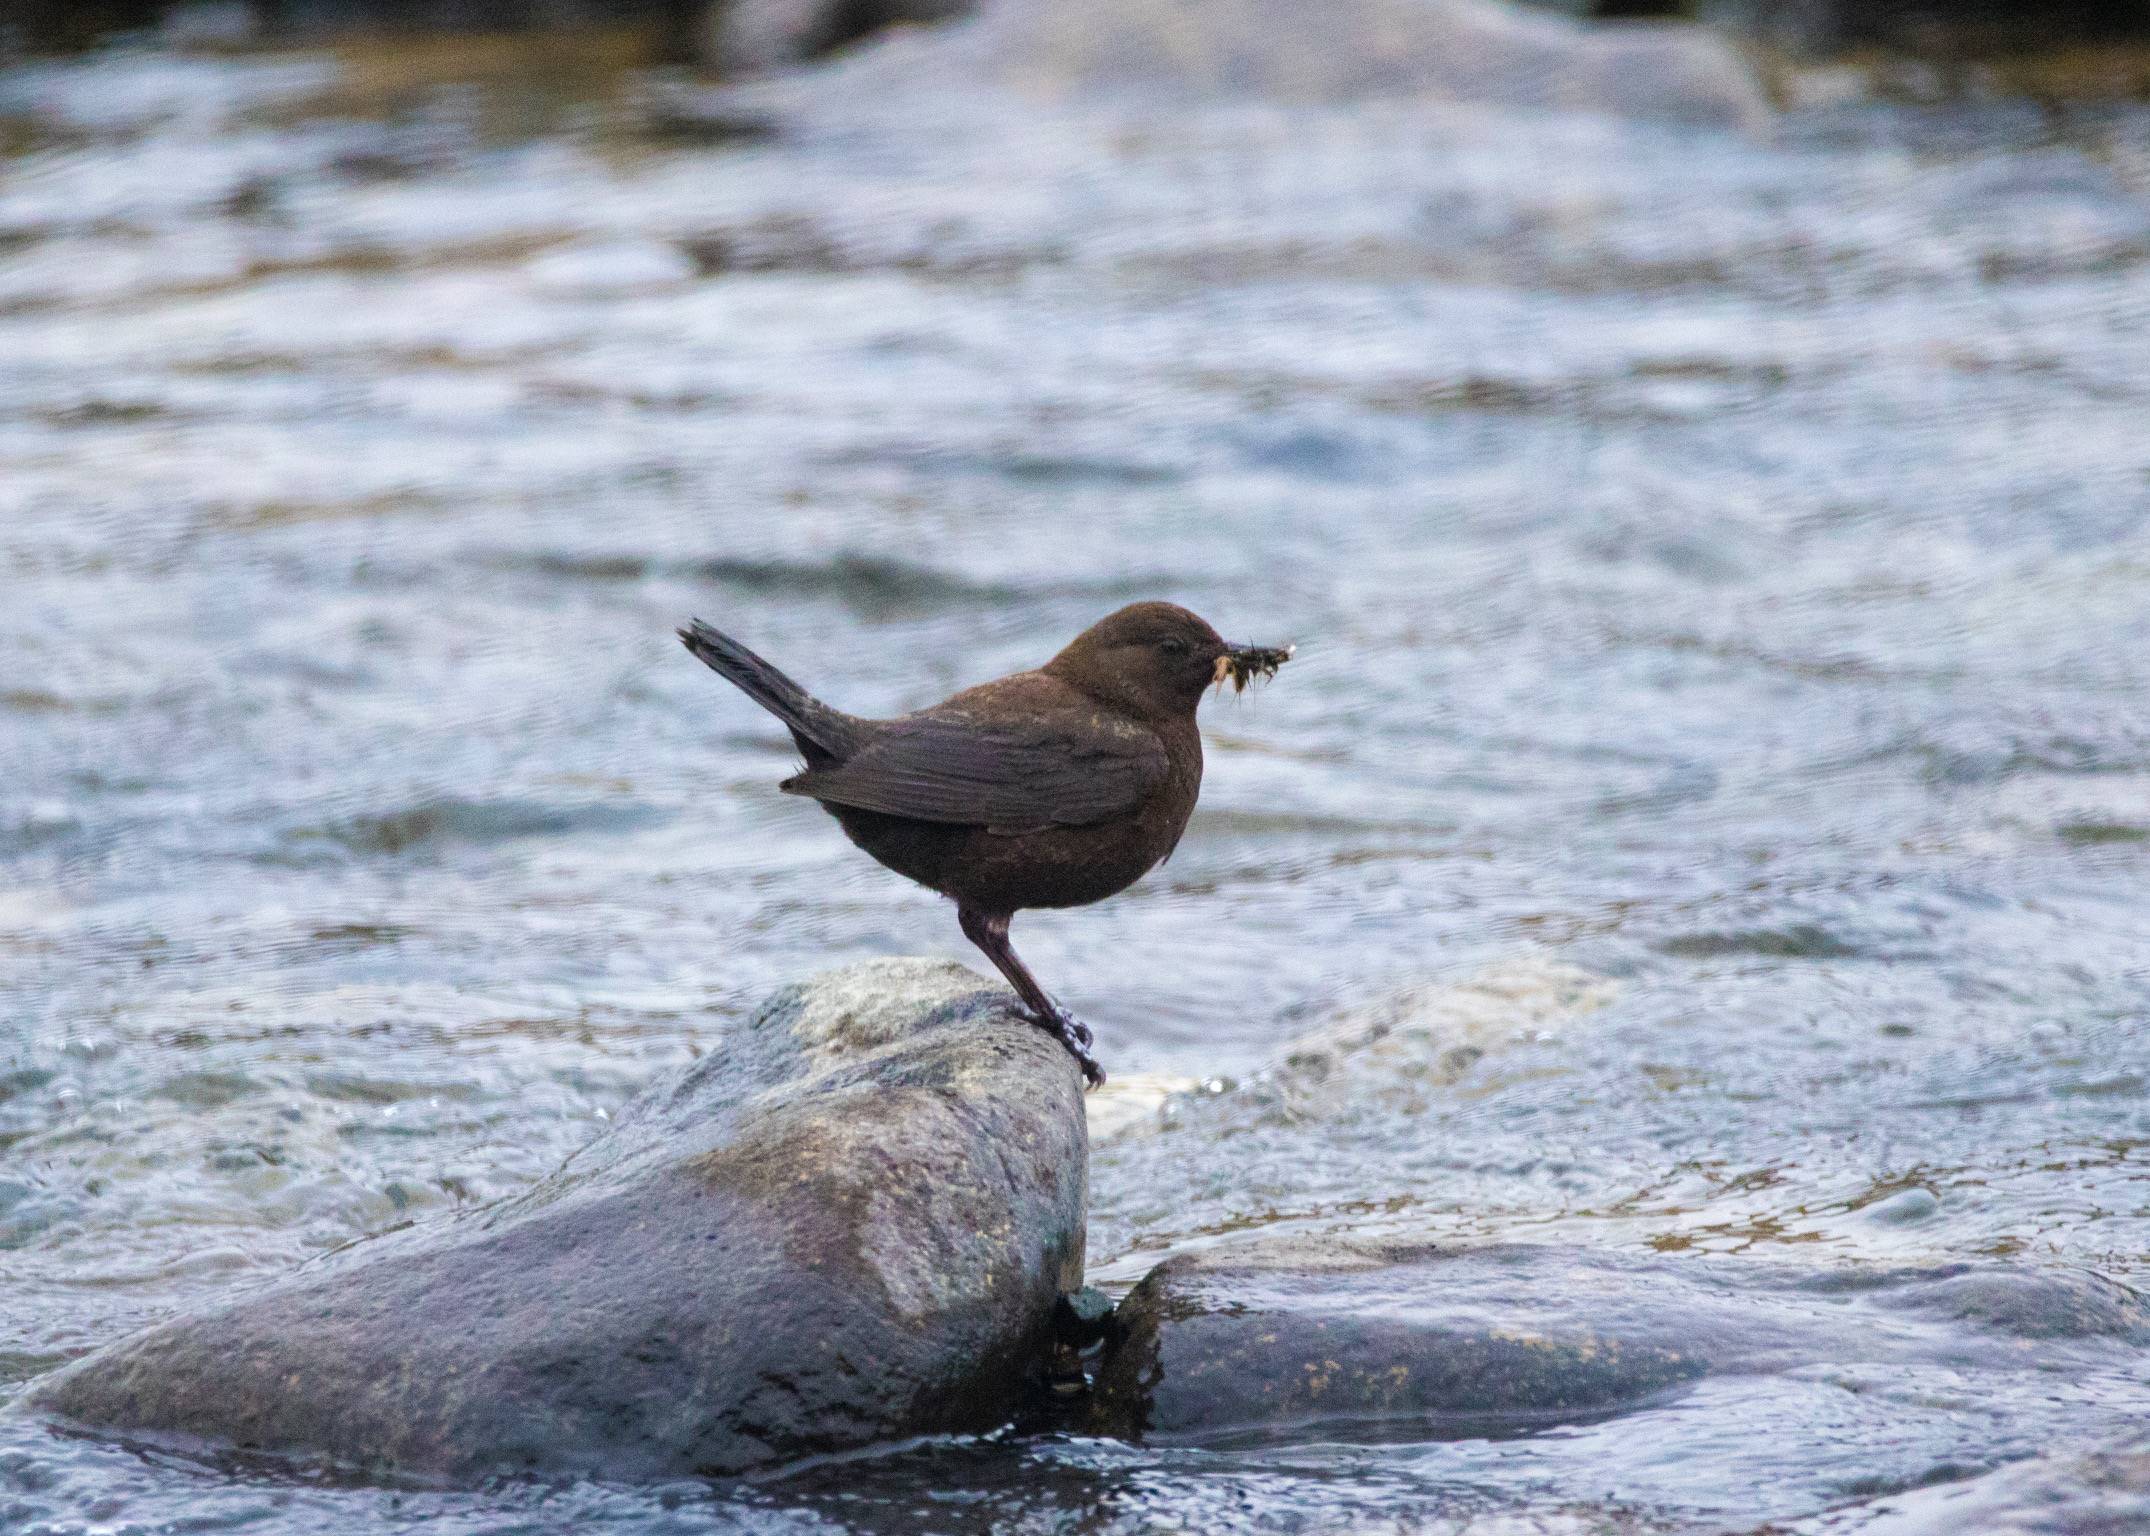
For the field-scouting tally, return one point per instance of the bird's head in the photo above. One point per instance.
(1156, 659)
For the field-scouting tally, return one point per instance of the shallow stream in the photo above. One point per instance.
(1708, 819)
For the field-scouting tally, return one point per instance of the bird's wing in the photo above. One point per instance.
(949, 765)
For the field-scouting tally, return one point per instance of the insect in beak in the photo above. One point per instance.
(1241, 664)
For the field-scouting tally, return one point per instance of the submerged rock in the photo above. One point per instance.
(1269, 1337)
(849, 1222)
(1354, 1339)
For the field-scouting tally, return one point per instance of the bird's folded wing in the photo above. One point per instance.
(960, 770)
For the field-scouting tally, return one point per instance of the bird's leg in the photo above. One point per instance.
(989, 931)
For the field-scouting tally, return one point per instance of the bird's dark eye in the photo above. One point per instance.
(1172, 645)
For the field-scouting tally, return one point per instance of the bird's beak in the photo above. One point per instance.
(1241, 664)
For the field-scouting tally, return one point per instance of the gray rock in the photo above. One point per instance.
(1281, 1335)
(1347, 50)
(849, 1222)
(2063, 1304)
(1474, 52)
(1273, 1338)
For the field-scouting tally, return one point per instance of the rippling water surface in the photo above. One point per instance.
(1720, 730)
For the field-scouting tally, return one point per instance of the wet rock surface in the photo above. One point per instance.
(1308, 1334)
(848, 1222)
(1336, 1338)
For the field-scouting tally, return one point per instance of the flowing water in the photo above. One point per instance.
(1720, 734)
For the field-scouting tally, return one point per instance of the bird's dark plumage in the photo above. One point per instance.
(1064, 765)
(1050, 788)
(819, 730)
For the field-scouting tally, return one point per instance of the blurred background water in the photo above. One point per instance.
(1720, 568)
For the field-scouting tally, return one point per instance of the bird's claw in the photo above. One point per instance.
(1075, 1035)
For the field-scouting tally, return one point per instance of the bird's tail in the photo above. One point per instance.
(813, 723)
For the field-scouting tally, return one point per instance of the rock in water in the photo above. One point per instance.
(848, 1223)
(1335, 1338)
(1274, 1337)
(1460, 52)
(1352, 50)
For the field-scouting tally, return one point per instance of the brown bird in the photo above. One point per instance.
(1051, 788)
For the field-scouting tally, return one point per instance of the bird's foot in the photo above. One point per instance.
(1075, 1035)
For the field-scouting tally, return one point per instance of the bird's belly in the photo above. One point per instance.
(1008, 872)
(993, 872)
(1057, 867)
(917, 850)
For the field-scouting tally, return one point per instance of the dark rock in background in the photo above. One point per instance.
(318, 16)
(849, 1222)
(1944, 28)
(747, 37)
(45, 26)
(1621, 10)
(71, 24)
(732, 36)
(1939, 28)
(750, 37)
